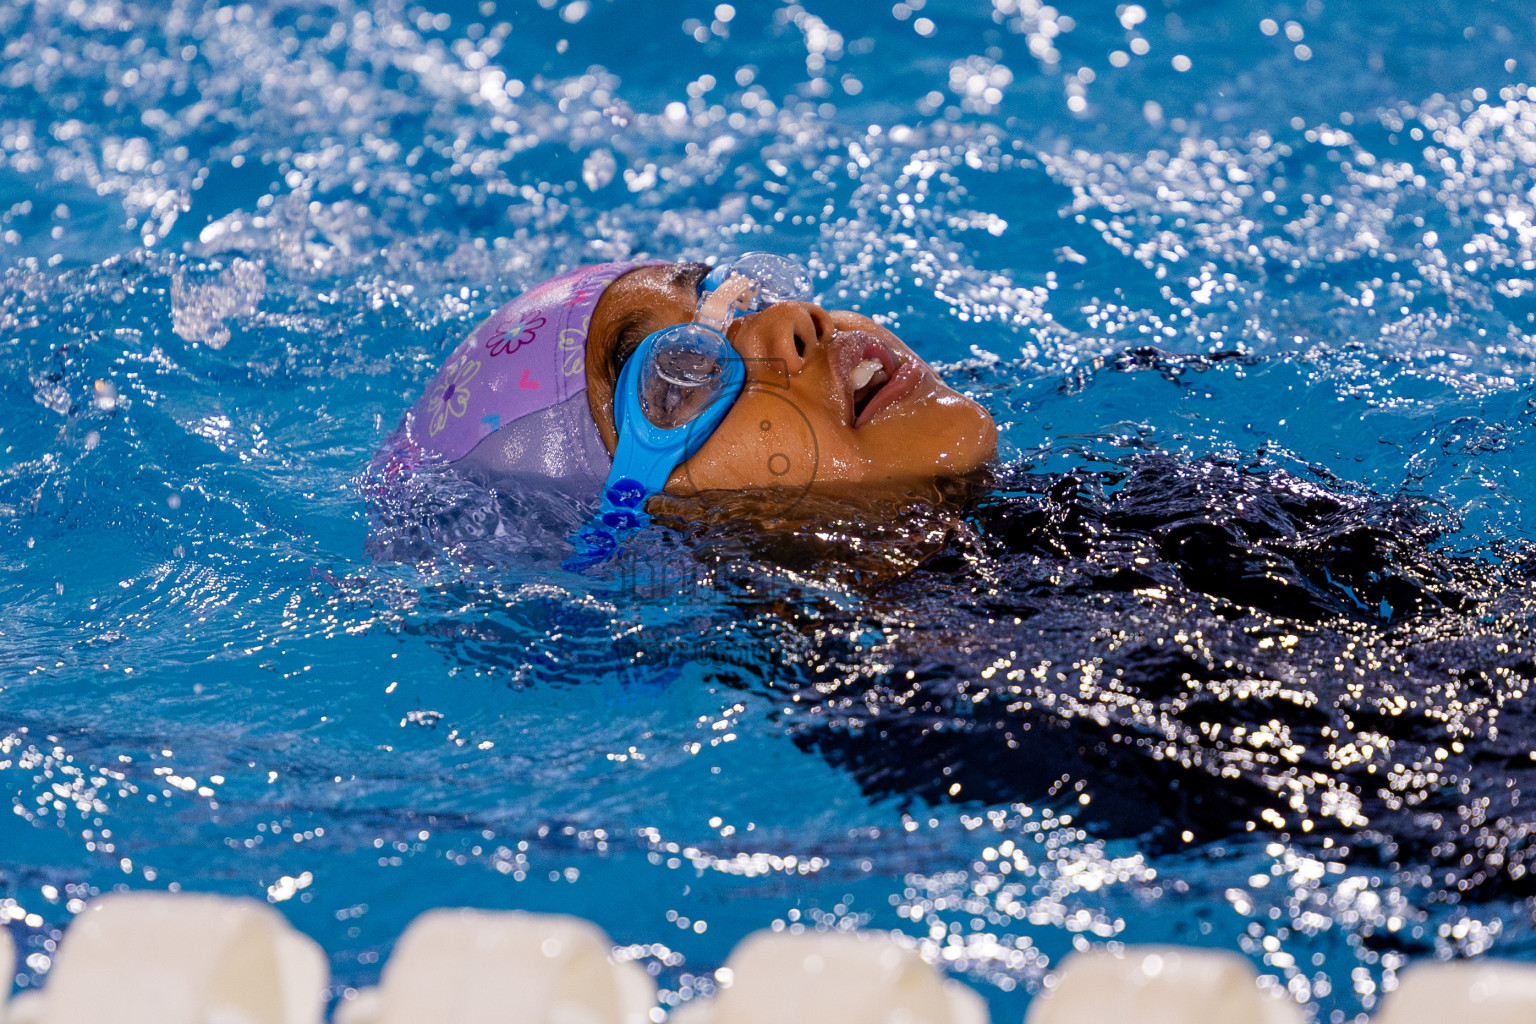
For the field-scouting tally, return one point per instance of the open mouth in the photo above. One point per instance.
(872, 378)
(868, 377)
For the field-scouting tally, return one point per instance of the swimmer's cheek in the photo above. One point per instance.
(777, 455)
(767, 443)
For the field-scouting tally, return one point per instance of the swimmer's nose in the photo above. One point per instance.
(785, 335)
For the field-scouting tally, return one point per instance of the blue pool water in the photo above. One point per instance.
(1198, 260)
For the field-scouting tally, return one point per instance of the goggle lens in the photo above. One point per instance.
(683, 372)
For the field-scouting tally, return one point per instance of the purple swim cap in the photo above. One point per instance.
(511, 400)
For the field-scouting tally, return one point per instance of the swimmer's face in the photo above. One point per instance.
(833, 401)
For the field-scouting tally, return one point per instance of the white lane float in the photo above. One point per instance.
(162, 958)
(1485, 991)
(7, 969)
(831, 978)
(479, 967)
(1159, 985)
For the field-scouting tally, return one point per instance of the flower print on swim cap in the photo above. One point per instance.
(511, 400)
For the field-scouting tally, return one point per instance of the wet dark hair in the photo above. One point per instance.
(633, 326)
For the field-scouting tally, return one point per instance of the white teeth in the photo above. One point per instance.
(865, 372)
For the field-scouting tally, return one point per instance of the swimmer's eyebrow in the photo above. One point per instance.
(688, 275)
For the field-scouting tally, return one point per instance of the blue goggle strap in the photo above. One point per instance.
(646, 454)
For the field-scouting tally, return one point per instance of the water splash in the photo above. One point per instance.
(1217, 272)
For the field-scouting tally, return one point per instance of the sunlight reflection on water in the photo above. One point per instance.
(237, 241)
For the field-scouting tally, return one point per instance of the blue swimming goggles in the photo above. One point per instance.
(676, 388)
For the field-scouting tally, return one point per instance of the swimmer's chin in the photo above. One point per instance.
(977, 451)
(963, 451)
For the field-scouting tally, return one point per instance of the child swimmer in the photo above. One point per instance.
(621, 381)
